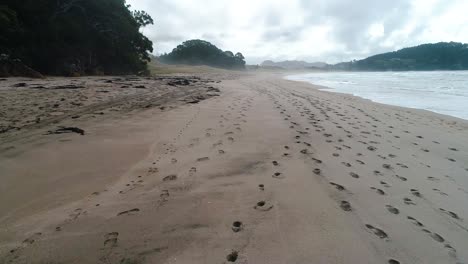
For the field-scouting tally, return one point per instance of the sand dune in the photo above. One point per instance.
(270, 171)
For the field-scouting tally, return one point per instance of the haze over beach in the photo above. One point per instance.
(315, 131)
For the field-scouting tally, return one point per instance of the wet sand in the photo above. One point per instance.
(269, 171)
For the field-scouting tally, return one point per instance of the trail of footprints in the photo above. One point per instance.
(110, 240)
(317, 112)
(314, 113)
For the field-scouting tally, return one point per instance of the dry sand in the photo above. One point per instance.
(270, 171)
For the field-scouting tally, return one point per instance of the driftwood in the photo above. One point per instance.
(62, 130)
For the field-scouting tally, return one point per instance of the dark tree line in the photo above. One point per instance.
(74, 37)
(200, 52)
(426, 57)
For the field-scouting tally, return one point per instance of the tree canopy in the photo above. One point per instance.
(67, 37)
(200, 52)
(437, 56)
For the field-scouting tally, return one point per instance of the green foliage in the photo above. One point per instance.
(426, 57)
(75, 36)
(200, 52)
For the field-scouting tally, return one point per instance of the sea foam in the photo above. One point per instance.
(444, 92)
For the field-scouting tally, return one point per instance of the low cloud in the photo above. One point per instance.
(313, 30)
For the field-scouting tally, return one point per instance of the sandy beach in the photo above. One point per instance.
(225, 167)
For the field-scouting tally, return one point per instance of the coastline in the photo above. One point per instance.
(362, 90)
(327, 89)
(164, 184)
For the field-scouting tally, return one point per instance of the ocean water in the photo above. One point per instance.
(444, 92)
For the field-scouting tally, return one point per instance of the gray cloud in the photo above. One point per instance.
(325, 30)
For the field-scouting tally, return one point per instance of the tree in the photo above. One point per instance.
(437, 56)
(240, 56)
(200, 52)
(66, 37)
(142, 18)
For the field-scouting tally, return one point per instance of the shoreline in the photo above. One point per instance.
(305, 173)
(427, 112)
(324, 88)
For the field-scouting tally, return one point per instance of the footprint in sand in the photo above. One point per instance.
(379, 191)
(219, 143)
(263, 206)
(382, 157)
(317, 171)
(384, 184)
(414, 221)
(401, 178)
(261, 187)
(387, 166)
(203, 159)
(232, 257)
(450, 213)
(402, 165)
(408, 201)
(77, 213)
(440, 192)
(392, 209)
(433, 178)
(354, 175)
(164, 195)
(129, 212)
(153, 170)
(317, 160)
(338, 186)
(416, 193)
(237, 226)
(371, 148)
(110, 239)
(393, 261)
(221, 151)
(377, 231)
(278, 175)
(346, 206)
(171, 177)
(30, 240)
(347, 164)
(434, 236)
(304, 151)
(192, 171)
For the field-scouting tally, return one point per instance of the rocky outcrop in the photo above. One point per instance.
(14, 67)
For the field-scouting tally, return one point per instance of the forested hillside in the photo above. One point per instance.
(74, 37)
(200, 52)
(438, 56)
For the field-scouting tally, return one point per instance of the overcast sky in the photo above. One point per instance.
(311, 30)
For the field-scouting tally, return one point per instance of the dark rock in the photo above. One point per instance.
(20, 85)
